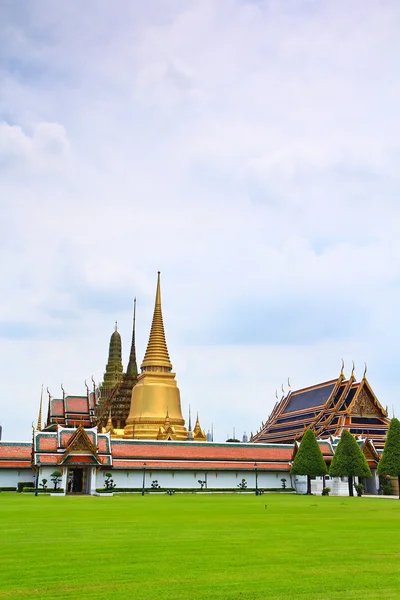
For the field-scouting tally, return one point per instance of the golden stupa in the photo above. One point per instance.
(156, 405)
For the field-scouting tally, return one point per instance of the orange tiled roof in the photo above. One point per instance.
(193, 451)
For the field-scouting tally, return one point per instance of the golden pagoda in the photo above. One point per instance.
(155, 397)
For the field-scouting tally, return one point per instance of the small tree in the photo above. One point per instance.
(242, 485)
(309, 460)
(155, 485)
(389, 464)
(109, 482)
(56, 478)
(201, 482)
(349, 460)
(43, 484)
(283, 483)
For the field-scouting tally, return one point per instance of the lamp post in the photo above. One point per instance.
(256, 472)
(144, 478)
(37, 477)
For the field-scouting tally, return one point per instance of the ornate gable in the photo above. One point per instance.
(365, 403)
(80, 449)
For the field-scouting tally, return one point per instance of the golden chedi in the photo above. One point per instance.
(155, 397)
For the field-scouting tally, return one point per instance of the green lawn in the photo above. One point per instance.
(227, 547)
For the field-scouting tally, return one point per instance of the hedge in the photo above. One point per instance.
(192, 490)
(31, 490)
(8, 489)
(24, 484)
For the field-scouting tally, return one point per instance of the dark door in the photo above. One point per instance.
(75, 481)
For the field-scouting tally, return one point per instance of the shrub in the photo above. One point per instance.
(385, 489)
(155, 485)
(109, 484)
(359, 489)
(24, 484)
(325, 491)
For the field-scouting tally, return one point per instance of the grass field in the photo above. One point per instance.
(199, 546)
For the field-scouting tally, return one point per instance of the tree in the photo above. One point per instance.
(309, 460)
(349, 460)
(56, 478)
(109, 482)
(389, 464)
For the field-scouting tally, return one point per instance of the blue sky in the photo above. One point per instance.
(247, 150)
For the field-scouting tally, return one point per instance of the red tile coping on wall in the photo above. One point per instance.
(202, 451)
(199, 465)
(15, 451)
(9, 464)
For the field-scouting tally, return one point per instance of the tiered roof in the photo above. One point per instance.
(72, 447)
(327, 408)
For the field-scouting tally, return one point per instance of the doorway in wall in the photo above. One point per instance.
(76, 480)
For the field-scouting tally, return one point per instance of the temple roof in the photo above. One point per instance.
(310, 397)
(327, 408)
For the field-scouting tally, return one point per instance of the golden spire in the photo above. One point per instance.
(109, 426)
(39, 421)
(157, 351)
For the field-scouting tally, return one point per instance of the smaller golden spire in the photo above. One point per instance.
(109, 426)
(39, 421)
(198, 433)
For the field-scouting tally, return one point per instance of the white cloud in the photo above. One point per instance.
(248, 150)
(44, 149)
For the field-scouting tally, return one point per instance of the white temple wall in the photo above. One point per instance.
(178, 479)
(11, 477)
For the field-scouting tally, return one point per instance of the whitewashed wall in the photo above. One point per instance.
(11, 477)
(338, 485)
(190, 479)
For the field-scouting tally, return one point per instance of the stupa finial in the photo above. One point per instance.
(157, 352)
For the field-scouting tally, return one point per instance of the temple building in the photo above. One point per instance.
(327, 408)
(132, 426)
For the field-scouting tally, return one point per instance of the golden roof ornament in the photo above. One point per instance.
(39, 421)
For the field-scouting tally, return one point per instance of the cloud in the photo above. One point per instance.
(248, 150)
(44, 149)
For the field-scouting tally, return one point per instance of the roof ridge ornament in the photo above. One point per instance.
(365, 370)
(342, 369)
(353, 369)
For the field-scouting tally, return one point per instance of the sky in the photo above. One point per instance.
(247, 149)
